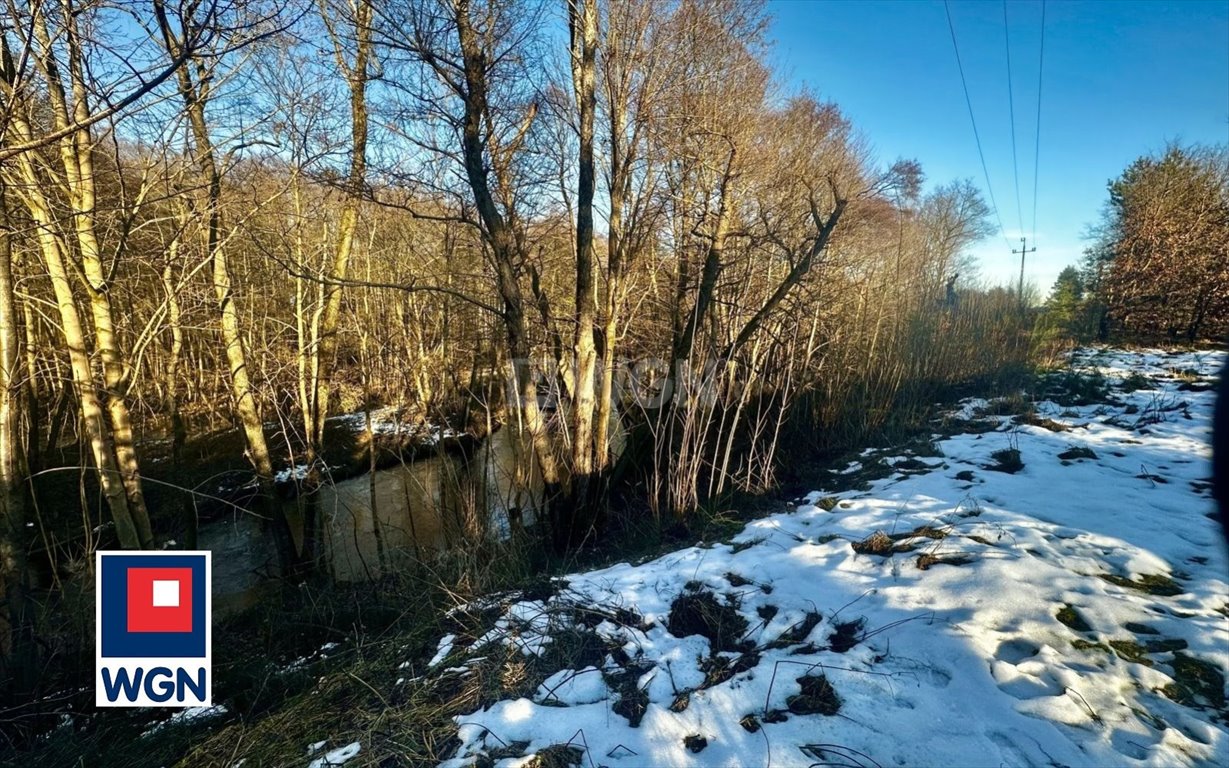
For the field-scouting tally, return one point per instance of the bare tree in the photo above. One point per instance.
(70, 243)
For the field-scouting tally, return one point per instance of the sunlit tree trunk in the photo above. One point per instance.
(582, 24)
(356, 75)
(70, 107)
(502, 240)
(193, 89)
(93, 417)
(29, 188)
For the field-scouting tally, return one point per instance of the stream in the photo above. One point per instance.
(419, 506)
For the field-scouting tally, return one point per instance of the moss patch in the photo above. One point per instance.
(1166, 645)
(1197, 683)
(1151, 583)
(1129, 650)
(1080, 644)
(1069, 616)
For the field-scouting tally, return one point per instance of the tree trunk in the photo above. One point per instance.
(582, 23)
(503, 244)
(229, 319)
(16, 649)
(356, 79)
(70, 106)
(93, 417)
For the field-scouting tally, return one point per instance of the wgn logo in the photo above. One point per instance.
(153, 616)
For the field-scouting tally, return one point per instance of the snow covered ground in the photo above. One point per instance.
(964, 610)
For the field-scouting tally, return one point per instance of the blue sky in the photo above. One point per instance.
(1120, 80)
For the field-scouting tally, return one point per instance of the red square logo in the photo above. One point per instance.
(159, 599)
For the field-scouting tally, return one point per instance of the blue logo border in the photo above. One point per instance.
(116, 641)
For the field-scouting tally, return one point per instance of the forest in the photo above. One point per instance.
(256, 256)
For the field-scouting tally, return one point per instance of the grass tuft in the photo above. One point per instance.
(557, 756)
(878, 543)
(700, 613)
(846, 635)
(1077, 452)
(818, 697)
(1007, 460)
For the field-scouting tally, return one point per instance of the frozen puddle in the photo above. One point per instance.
(1070, 611)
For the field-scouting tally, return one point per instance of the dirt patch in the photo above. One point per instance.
(695, 743)
(1153, 477)
(1198, 386)
(736, 580)
(1166, 645)
(1137, 381)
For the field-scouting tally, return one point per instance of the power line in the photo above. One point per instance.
(1037, 146)
(1011, 111)
(977, 138)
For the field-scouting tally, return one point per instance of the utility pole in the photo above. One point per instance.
(1022, 251)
